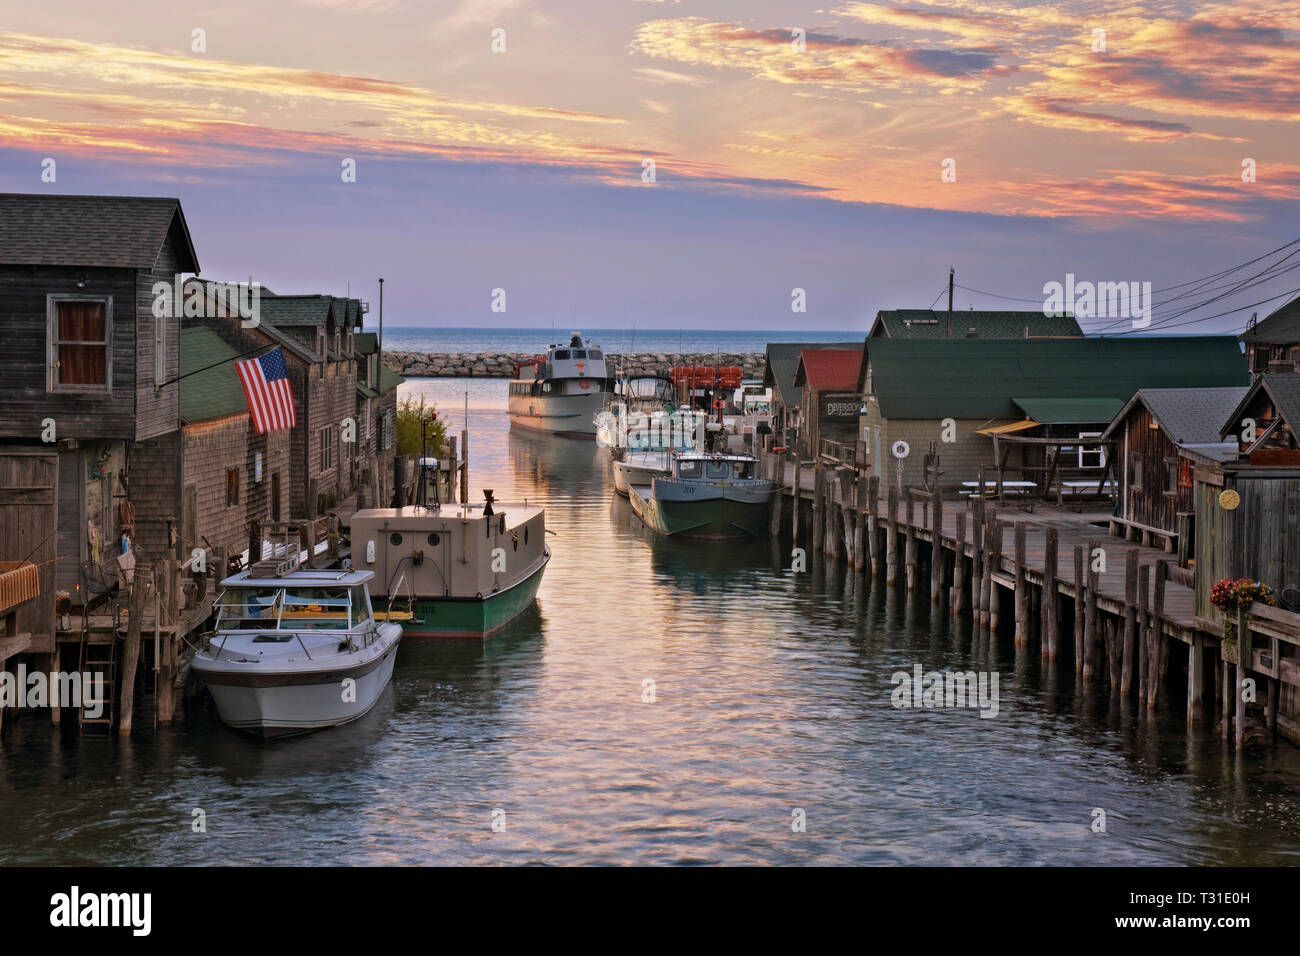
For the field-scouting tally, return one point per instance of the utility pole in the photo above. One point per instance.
(381, 317)
(949, 301)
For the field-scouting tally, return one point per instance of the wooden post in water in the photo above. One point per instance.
(957, 596)
(1080, 601)
(909, 505)
(131, 649)
(1225, 725)
(794, 505)
(891, 537)
(1143, 629)
(1022, 589)
(1130, 621)
(976, 557)
(1196, 679)
(936, 547)
(818, 520)
(1159, 653)
(1238, 699)
(166, 692)
(986, 565)
(995, 565)
(1050, 623)
(859, 525)
(873, 524)
(1090, 616)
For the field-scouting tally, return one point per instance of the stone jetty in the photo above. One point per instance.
(502, 364)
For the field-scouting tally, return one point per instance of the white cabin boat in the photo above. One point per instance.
(296, 652)
(561, 392)
(640, 468)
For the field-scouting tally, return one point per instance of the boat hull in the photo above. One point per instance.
(702, 515)
(470, 618)
(568, 416)
(281, 704)
(632, 471)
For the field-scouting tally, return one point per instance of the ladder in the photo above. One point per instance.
(98, 660)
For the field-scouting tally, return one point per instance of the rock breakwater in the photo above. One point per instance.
(502, 364)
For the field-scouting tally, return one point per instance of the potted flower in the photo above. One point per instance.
(1228, 595)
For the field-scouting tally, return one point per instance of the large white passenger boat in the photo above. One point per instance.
(296, 651)
(561, 392)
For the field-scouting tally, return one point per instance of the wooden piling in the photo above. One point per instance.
(1159, 653)
(1143, 648)
(1080, 600)
(1130, 621)
(1196, 679)
(794, 505)
(859, 524)
(986, 569)
(1050, 623)
(909, 531)
(1225, 725)
(873, 524)
(166, 690)
(995, 565)
(957, 596)
(1022, 589)
(1090, 616)
(131, 649)
(936, 547)
(891, 537)
(818, 506)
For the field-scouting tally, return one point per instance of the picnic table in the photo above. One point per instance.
(1015, 487)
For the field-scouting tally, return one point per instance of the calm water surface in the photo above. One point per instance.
(772, 693)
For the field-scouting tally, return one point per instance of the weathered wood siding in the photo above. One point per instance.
(209, 450)
(28, 523)
(156, 494)
(24, 360)
(90, 491)
(1260, 539)
(157, 410)
(1144, 497)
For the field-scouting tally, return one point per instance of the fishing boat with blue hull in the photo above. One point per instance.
(706, 496)
(459, 571)
(295, 650)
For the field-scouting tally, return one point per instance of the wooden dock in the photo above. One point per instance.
(1115, 608)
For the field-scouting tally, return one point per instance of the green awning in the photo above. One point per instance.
(1070, 411)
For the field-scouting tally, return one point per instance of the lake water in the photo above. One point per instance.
(772, 695)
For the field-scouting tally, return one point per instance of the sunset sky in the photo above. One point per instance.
(775, 167)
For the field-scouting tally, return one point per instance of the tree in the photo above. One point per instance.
(414, 420)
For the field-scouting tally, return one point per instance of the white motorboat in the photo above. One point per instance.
(561, 391)
(296, 651)
(640, 468)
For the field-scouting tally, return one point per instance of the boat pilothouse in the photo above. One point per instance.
(296, 650)
(561, 391)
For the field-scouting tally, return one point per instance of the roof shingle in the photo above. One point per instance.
(124, 232)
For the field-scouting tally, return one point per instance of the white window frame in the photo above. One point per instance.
(1098, 450)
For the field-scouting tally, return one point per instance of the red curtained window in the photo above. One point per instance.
(81, 343)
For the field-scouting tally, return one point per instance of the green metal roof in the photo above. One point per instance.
(214, 392)
(365, 343)
(365, 391)
(287, 310)
(388, 379)
(985, 324)
(977, 378)
(1069, 411)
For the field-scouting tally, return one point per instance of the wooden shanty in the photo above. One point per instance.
(972, 324)
(1273, 343)
(780, 367)
(962, 407)
(827, 380)
(1159, 437)
(1265, 424)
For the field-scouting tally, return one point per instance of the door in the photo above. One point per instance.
(275, 496)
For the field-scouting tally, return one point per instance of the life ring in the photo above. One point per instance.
(901, 450)
(717, 405)
(584, 384)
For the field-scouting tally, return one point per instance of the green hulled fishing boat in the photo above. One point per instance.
(706, 496)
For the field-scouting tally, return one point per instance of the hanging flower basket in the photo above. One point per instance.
(1229, 595)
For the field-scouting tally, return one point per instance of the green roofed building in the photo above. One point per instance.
(376, 395)
(985, 324)
(1048, 388)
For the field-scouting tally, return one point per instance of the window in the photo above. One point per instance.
(561, 354)
(1135, 471)
(326, 448)
(691, 468)
(159, 350)
(232, 487)
(594, 354)
(80, 344)
(388, 427)
(1171, 476)
(580, 353)
(1091, 456)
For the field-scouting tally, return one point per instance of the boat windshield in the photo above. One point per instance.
(719, 469)
(315, 608)
(248, 608)
(742, 469)
(689, 469)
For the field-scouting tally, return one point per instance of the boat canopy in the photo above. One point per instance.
(259, 606)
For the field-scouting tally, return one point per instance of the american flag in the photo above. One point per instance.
(266, 386)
